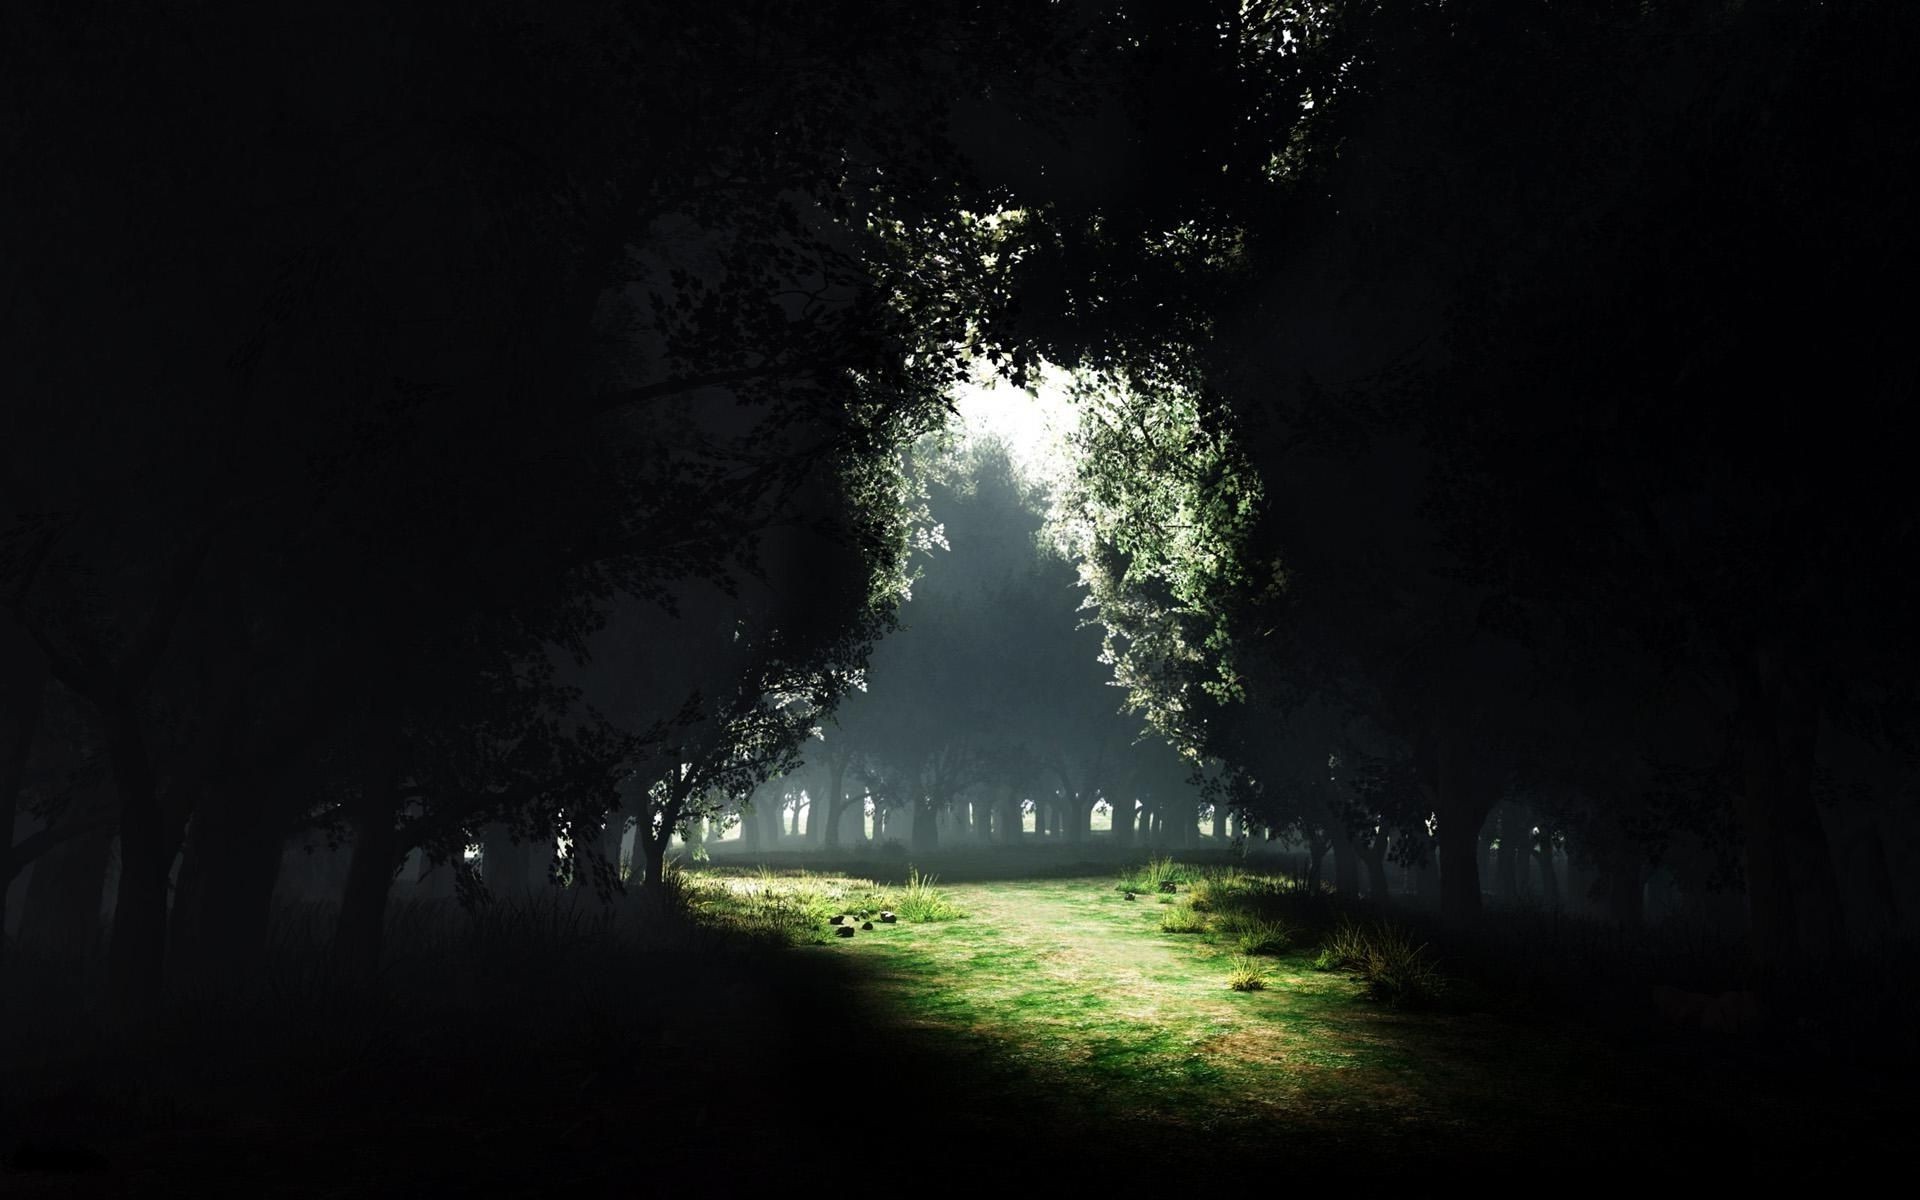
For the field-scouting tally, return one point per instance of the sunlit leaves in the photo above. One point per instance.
(1159, 518)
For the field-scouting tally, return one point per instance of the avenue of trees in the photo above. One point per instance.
(497, 426)
(989, 717)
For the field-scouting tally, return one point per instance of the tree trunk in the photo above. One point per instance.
(1124, 812)
(836, 802)
(24, 675)
(1883, 901)
(504, 865)
(1792, 893)
(599, 844)
(749, 834)
(224, 898)
(1508, 864)
(1346, 864)
(1010, 817)
(1549, 879)
(653, 850)
(137, 955)
(377, 857)
(1426, 877)
(20, 709)
(1219, 822)
(1581, 881)
(543, 867)
(1459, 871)
(926, 828)
(1375, 858)
(1626, 887)
(1461, 813)
(61, 910)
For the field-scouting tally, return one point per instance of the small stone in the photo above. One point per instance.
(844, 931)
(1131, 896)
(837, 919)
(887, 917)
(866, 924)
(1167, 885)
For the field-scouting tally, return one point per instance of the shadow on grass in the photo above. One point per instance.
(533, 1049)
(630, 1053)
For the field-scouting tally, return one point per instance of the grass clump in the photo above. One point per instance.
(1401, 972)
(1396, 969)
(919, 900)
(1256, 936)
(1246, 975)
(1153, 875)
(1201, 895)
(1345, 948)
(1183, 919)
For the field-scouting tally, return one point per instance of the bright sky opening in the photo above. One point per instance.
(1035, 425)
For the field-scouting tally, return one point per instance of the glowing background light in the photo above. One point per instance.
(1035, 426)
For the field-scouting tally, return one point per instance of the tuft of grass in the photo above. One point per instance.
(1344, 948)
(1183, 919)
(919, 900)
(1256, 936)
(1246, 975)
(1201, 895)
(1150, 875)
(1400, 972)
(1395, 968)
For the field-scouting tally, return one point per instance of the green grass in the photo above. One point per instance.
(1395, 968)
(1181, 1023)
(1066, 985)
(1153, 876)
(798, 907)
(919, 900)
(1246, 975)
(1253, 935)
(1183, 918)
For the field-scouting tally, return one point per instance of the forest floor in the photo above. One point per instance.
(1052, 1032)
(1070, 989)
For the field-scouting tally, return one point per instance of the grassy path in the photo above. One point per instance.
(1068, 982)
